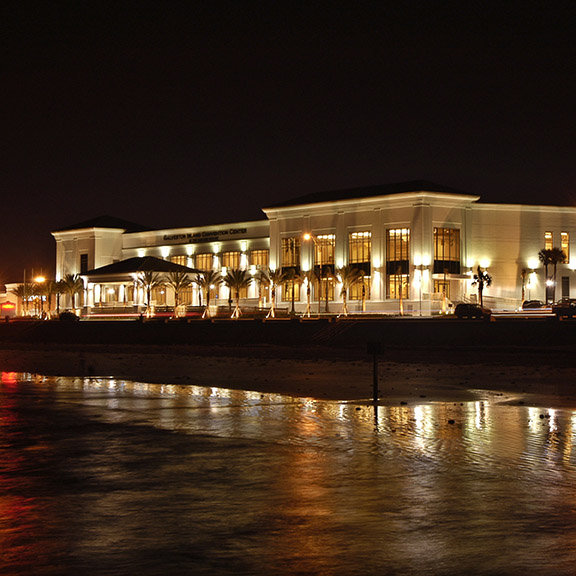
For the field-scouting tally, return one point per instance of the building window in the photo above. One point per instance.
(327, 288)
(259, 258)
(324, 249)
(231, 294)
(565, 245)
(158, 296)
(548, 240)
(442, 287)
(398, 286)
(291, 287)
(181, 259)
(397, 263)
(360, 290)
(565, 286)
(83, 263)
(446, 251)
(186, 296)
(231, 260)
(204, 261)
(290, 256)
(359, 250)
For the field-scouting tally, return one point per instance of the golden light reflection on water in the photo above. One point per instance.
(312, 487)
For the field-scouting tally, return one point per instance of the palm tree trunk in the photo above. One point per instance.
(206, 313)
(272, 311)
(237, 312)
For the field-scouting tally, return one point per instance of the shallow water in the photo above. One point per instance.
(115, 477)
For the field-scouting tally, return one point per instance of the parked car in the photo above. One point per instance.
(531, 304)
(468, 310)
(565, 308)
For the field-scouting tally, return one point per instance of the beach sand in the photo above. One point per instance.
(405, 376)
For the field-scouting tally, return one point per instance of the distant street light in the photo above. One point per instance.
(40, 280)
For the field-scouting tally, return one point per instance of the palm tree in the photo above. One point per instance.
(72, 284)
(307, 278)
(149, 280)
(349, 276)
(206, 281)
(545, 258)
(178, 281)
(292, 278)
(58, 289)
(327, 275)
(24, 292)
(481, 279)
(551, 256)
(262, 281)
(42, 290)
(277, 278)
(52, 289)
(237, 280)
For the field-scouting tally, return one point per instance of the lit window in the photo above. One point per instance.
(231, 260)
(204, 261)
(398, 286)
(180, 259)
(259, 258)
(291, 288)
(359, 247)
(360, 290)
(565, 245)
(442, 287)
(324, 249)
(397, 263)
(548, 240)
(446, 251)
(290, 252)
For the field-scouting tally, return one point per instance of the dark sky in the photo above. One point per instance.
(187, 113)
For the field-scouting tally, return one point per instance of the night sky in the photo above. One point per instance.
(187, 113)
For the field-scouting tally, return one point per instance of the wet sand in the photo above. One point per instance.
(530, 377)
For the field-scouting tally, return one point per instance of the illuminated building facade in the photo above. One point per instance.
(417, 244)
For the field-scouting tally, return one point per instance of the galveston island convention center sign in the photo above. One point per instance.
(204, 235)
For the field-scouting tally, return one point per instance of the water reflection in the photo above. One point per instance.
(117, 477)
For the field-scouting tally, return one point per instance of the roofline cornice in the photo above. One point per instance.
(398, 200)
(525, 208)
(76, 231)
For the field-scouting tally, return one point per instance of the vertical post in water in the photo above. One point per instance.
(374, 348)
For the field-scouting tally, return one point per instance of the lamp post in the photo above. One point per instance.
(40, 280)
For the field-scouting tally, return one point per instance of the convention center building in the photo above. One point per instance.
(417, 246)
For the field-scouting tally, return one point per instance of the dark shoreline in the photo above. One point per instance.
(349, 333)
(528, 362)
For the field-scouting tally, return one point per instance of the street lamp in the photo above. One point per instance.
(40, 280)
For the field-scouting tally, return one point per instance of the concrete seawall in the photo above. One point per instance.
(346, 333)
